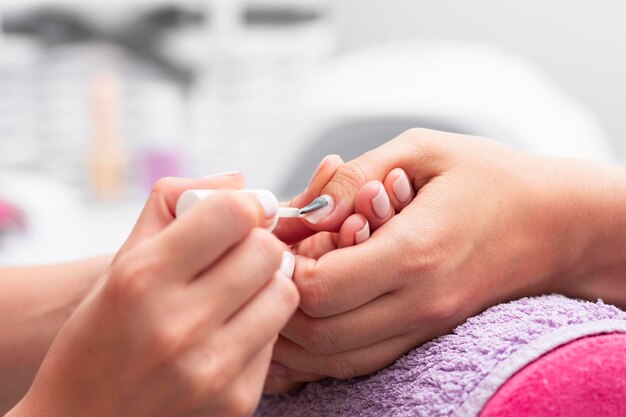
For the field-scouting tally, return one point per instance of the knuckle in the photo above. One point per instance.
(165, 338)
(241, 402)
(351, 175)
(131, 281)
(446, 309)
(341, 368)
(204, 378)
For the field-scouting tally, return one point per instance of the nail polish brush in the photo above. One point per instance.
(190, 198)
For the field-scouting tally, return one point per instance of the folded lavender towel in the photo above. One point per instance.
(455, 375)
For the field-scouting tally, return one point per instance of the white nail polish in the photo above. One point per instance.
(268, 202)
(288, 264)
(402, 189)
(223, 174)
(380, 203)
(319, 215)
(363, 234)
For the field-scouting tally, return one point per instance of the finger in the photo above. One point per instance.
(278, 385)
(259, 321)
(159, 210)
(373, 202)
(353, 231)
(238, 275)
(399, 189)
(252, 379)
(350, 277)
(378, 320)
(317, 245)
(291, 231)
(298, 361)
(421, 153)
(208, 230)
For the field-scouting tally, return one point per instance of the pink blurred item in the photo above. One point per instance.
(11, 217)
(586, 377)
(155, 164)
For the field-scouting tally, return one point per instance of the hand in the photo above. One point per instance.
(488, 224)
(184, 322)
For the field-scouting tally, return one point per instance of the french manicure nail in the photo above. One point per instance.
(402, 188)
(381, 203)
(363, 234)
(223, 174)
(288, 264)
(277, 369)
(268, 202)
(320, 214)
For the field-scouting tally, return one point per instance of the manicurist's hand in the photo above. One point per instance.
(182, 323)
(487, 224)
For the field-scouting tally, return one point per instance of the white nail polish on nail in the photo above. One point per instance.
(381, 203)
(268, 202)
(402, 188)
(320, 214)
(223, 174)
(288, 264)
(363, 234)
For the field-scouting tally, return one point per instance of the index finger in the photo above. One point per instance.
(417, 151)
(159, 209)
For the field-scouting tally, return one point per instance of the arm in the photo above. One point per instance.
(35, 302)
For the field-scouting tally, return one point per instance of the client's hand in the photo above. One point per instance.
(488, 224)
(183, 322)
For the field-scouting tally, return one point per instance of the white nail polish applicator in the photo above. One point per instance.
(267, 199)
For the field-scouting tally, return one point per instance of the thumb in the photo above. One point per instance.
(159, 210)
(418, 151)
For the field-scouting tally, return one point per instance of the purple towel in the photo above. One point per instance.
(455, 374)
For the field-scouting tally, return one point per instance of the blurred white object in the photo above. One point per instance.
(466, 88)
(60, 226)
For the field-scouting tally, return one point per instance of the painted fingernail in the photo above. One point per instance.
(363, 234)
(223, 174)
(276, 369)
(402, 188)
(381, 203)
(268, 202)
(288, 264)
(320, 214)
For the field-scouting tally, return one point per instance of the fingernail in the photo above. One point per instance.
(381, 203)
(223, 174)
(319, 215)
(363, 234)
(288, 264)
(268, 202)
(402, 188)
(317, 170)
(276, 369)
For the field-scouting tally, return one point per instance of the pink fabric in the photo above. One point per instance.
(584, 378)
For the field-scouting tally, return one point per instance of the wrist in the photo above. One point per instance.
(589, 244)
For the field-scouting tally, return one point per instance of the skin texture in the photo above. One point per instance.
(488, 224)
(167, 330)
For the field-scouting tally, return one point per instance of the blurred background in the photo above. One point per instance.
(99, 99)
